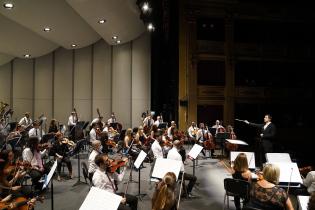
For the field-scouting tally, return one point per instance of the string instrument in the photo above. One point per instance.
(68, 142)
(208, 144)
(111, 143)
(114, 165)
(228, 145)
(76, 115)
(100, 124)
(20, 203)
(12, 168)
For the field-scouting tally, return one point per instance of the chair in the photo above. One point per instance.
(250, 208)
(86, 174)
(235, 187)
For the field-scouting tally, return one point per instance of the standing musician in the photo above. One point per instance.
(103, 179)
(61, 151)
(99, 121)
(112, 119)
(72, 121)
(148, 122)
(170, 130)
(174, 155)
(156, 146)
(26, 121)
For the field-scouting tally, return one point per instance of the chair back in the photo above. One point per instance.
(237, 187)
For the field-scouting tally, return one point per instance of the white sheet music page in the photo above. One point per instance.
(140, 159)
(194, 152)
(303, 201)
(162, 166)
(278, 157)
(235, 141)
(101, 200)
(50, 174)
(289, 172)
(250, 158)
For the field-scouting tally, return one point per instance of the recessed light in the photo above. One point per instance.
(114, 37)
(47, 29)
(27, 56)
(73, 45)
(150, 27)
(118, 42)
(101, 21)
(145, 7)
(8, 5)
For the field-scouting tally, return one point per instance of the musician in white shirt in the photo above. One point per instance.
(171, 129)
(35, 131)
(309, 181)
(158, 121)
(72, 121)
(97, 149)
(156, 147)
(148, 121)
(174, 155)
(26, 121)
(112, 119)
(103, 179)
(192, 130)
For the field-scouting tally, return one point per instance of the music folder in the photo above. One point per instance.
(235, 141)
(289, 174)
(162, 166)
(50, 175)
(101, 200)
(142, 155)
(194, 152)
(278, 157)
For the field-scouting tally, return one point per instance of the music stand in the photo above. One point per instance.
(14, 141)
(49, 137)
(77, 150)
(220, 138)
(162, 125)
(142, 155)
(48, 179)
(193, 154)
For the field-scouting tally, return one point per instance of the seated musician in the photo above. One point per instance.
(265, 193)
(94, 132)
(53, 128)
(164, 197)
(33, 155)
(202, 135)
(192, 131)
(148, 121)
(156, 146)
(174, 155)
(158, 121)
(309, 182)
(35, 131)
(127, 140)
(26, 121)
(112, 133)
(97, 149)
(170, 130)
(240, 171)
(140, 136)
(218, 126)
(61, 151)
(103, 179)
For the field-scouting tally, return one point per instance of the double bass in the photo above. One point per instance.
(208, 144)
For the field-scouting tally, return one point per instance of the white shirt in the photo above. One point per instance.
(92, 165)
(101, 181)
(200, 134)
(92, 134)
(95, 120)
(169, 134)
(309, 181)
(147, 120)
(25, 122)
(157, 123)
(111, 120)
(72, 120)
(174, 155)
(35, 132)
(157, 149)
(266, 125)
(191, 130)
(28, 156)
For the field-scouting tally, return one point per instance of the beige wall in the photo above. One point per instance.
(111, 78)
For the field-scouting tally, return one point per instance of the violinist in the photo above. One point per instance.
(61, 150)
(35, 131)
(97, 149)
(26, 121)
(33, 155)
(127, 140)
(95, 132)
(103, 179)
(156, 146)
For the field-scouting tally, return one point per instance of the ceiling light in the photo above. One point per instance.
(47, 29)
(114, 37)
(145, 7)
(27, 56)
(101, 21)
(73, 45)
(118, 42)
(8, 5)
(150, 27)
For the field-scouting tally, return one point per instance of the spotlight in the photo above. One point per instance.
(27, 56)
(145, 7)
(150, 27)
(47, 29)
(73, 45)
(8, 5)
(101, 21)
(114, 37)
(118, 42)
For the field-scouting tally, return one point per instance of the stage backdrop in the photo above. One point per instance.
(111, 78)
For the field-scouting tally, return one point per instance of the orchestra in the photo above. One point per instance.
(112, 151)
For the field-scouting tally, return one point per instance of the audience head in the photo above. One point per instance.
(240, 162)
(271, 173)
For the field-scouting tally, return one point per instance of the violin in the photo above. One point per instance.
(13, 167)
(20, 203)
(111, 143)
(114, 165)
(67, 141)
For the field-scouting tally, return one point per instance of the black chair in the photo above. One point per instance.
(86, 174)
(250, 208)
(235, 187)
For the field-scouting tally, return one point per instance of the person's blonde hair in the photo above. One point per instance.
(240, 163)
(165, 196)
(271, 173)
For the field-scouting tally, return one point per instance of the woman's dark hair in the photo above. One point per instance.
(33, 141)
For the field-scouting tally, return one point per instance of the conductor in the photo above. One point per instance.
(267, 135)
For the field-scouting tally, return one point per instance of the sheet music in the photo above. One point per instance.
(278, 157)
(50, 174)
(194, 152)
(250, 158)
(303, 201)
(289, 172)
(235, 141)
(162, 166)
(101, 200)
(142, 155)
